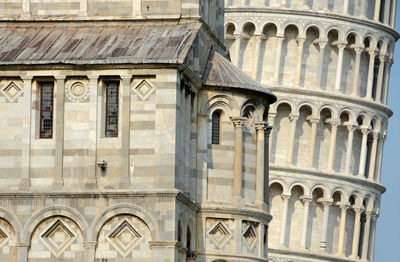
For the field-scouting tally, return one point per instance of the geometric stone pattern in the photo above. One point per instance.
(219, 233)
(77, 91)
(143, 89)
(7, 241)
(124, 237)
(249, 235)
(11, 91)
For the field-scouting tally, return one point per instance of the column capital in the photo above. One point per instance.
(365, 129)
(300, 40)
(285, 197)
(293, 117)
(327, 203)
(374, 216)
(272, 115)
(306, 199)
(368, 214)
(358, 209)
(376, 134)
(333, 121)
(341, 45)
(89, 244)
(26, 78)
(358, 50)
(238, 121)
(261, 126)
(344, 205)
(351, 126)
(257, 37)
(60, 77)
(126, 77)
(321, 42)
(23, 244)
(372, 51)
(313, 119)
(237, 35)
(383, 58)
(93, 77)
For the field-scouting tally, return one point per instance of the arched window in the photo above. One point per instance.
(215, 121)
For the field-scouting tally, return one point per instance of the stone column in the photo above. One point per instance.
(363, 13)
(26, 7)
(332, 147)
(339, 66)
(349, 147)
(372, 53)
(327, 205)
(342, 229)
(257, 46)
(90, 247)
(59, 132)
(271, 119)
(322, 45)
(25, 181)
(293, 118)
(279, 40)
(363, 155)
(187, 138)
(377, 10)
(365, 244)
(300, 42)
(314, 122)
(261, 128)
(22, 252)
(238, 123)
(91, 178)
(356, 75)
(372, 160)
(371, 246)
(285, 199)
(386, 15)
(345, 7)
(266, 164)
(356, 233)
(393, 17)
(125, 131)
(236, 57)
(306, 201)
(382, 62)
(380, 154)
(387, 77)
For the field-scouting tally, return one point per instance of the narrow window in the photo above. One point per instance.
(46, 109)
(215, 121)
(111, 127)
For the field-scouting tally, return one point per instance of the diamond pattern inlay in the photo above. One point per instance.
(124, 237)
(219, 234)
(12, 91)
(250, 236)
(3, 237)
(143, 89)
(58, 237)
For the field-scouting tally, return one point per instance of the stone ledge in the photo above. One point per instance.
(262, 216)
(308, 254)
(234, 257)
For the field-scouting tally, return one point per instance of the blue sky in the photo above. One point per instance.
(387, 242)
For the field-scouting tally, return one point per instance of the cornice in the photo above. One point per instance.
(308, 92)
(332, 176)
(307, 254)
(367, 23)
(235, 257)
(262, 216)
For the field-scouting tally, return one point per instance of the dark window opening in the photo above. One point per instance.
(215, 121)
(112, 90)
(46, 109)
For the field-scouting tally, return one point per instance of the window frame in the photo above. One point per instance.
(41, 85)
(218, 132)
(108, 84)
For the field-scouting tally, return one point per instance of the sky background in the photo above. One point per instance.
(387, 243)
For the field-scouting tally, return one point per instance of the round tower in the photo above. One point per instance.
(328, 62)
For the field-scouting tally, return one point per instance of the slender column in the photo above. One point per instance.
(238, 123)
(356, 233)
(342, 229)
(271, 119)
(387, 77)
(257, 46)
(356, 75)
(365, 245)
(371, 246)
(349, 147)
(372, 53)
(26, 7)
(363, 155)
(393, 17)
(386, 15)
(25, 181)
(379, 86)
(345, 7)
(237, 49)
(187, 137)
(59, 134)
(91, 178)
(137, 8)
(261, 128)
(339, 66)
(266, 164)
(279, 40)
(293, 118)
(372, 160)
(306, 209)
(380, 152)
(322, 45)
(285, 199)
(327, 205)
(326, 5)
(314, 122)
(22, 252)
(363, 13)
(332, 147)
(125, 131)
(377, 10)
(300, 42)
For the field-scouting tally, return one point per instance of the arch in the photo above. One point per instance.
(51, 211)
(247, 25)
(230, 28)
(290, 23)
(343, 194)
(180, 232)
(349, 112)
(298, 184)
(337, 30)
(279, 182)
(215, 127)
(283, 102)
(357, 198)
(319, 30)
(369, 201)
(13, 221)
(267, 25)
(355, 34)
(256, 107)
(329, 107)
(120, 209)
(309, 104)
(222, 101)
(322, 187)
(366, 119)
(371, 40)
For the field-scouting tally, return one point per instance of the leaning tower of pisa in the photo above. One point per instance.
(328, 62)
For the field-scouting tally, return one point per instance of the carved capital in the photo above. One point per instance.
(327, 203)
(344, 206)
(307, 200)
(238, 121)
(313, 119)
(375, 135)
(358, 50)
(351, 127)
(237, 36)
(372, 51)
(334, 122)
(341, 45)
(358, 209)
(285, 197)
(293, 117)
(261, 126)
(382, 58)
(301, 40)
(280, 39)
(365, 130)
(322, 43)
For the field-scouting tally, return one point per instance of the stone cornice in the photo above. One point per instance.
(334, 176)
(355, 20)
(262, 216)
(236, 257)
(307, 254)
(309, 92)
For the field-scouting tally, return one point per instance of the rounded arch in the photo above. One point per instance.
(369, 41)
(289, 23)
(268, 24)
(230, 29)
(221, 101)
(120, 209)
(284, 102)
(13, 221)
(358, 200)
(329, 107)
(339, 31)
(349, 112)
(365, 118)
(258, 111)
(52, 211)
(320, 31)
(300, 184)
(343, 194)
(306, 104)
(320, 186)
(280, 183)
(357, 36)
(369, 200)
(248, 25)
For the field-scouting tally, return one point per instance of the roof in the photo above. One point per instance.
(94, 44)
(220, 72)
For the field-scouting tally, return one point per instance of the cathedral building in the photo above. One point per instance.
(126, 134)
(328, 62)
